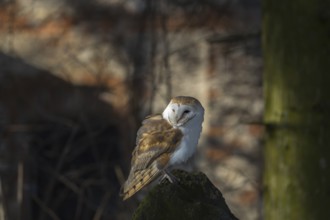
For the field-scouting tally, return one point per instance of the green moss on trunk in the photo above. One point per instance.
(297, 111)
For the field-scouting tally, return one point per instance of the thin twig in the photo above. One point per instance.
(102, 206)
(2, 203)
(46, 209)
(59, 165)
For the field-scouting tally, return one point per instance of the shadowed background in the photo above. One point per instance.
(77, 78)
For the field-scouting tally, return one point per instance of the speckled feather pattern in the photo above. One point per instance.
(164, 141)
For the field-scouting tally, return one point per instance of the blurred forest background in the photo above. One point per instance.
(78, 76)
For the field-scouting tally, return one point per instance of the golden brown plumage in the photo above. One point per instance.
(151, 154)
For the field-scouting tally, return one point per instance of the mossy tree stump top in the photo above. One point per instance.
(194, 197)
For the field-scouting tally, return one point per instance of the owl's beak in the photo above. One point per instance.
(174, 120)
(180, 119)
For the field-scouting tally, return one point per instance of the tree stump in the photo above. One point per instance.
(194, 197)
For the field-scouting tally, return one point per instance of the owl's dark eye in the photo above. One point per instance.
(173, 110)
(186, 111)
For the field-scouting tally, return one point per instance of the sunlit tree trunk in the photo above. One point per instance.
(296, 41)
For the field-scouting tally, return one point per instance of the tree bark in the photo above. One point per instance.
(297, 109)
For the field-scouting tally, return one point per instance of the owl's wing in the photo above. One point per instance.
(155, 137)
(156, 140)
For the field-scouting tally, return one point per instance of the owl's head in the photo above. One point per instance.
(183, 111)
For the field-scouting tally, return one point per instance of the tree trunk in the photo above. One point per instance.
(297, 112)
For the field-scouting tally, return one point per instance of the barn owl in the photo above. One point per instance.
(163, 142)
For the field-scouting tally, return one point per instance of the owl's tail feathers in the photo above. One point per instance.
(139, 179)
